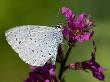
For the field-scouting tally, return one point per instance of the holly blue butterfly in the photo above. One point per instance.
(36, 45)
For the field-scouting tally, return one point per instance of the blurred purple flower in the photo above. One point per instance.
(78, 29)
(45, 73)
(91, 64)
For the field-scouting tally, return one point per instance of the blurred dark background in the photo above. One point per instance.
(45, 12)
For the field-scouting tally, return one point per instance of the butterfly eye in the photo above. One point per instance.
(58, 26)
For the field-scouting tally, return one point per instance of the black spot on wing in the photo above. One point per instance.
(16, 39)
(30, 38)
(19, 42)
(33, 51)
(49, 54)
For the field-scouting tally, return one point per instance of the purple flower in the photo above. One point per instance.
(91, 64)
(45, 73)
(47, 80)
(94, 67)
(78, 29)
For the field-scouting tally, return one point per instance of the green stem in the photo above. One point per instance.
(63, 63)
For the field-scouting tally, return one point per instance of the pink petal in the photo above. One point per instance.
(82, 17)
(47, 80)
(67, 13)
(83, 37)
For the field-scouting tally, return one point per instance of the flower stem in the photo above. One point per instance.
(63, 63)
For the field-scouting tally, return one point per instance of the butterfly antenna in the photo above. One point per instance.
(59, 19)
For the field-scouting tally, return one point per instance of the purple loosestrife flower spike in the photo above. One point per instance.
(96, 69)
(45, 73)
(78, 29)
(91, 64)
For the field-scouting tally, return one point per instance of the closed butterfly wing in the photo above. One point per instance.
(36, 45)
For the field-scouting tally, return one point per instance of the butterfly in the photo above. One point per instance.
(35, 45)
